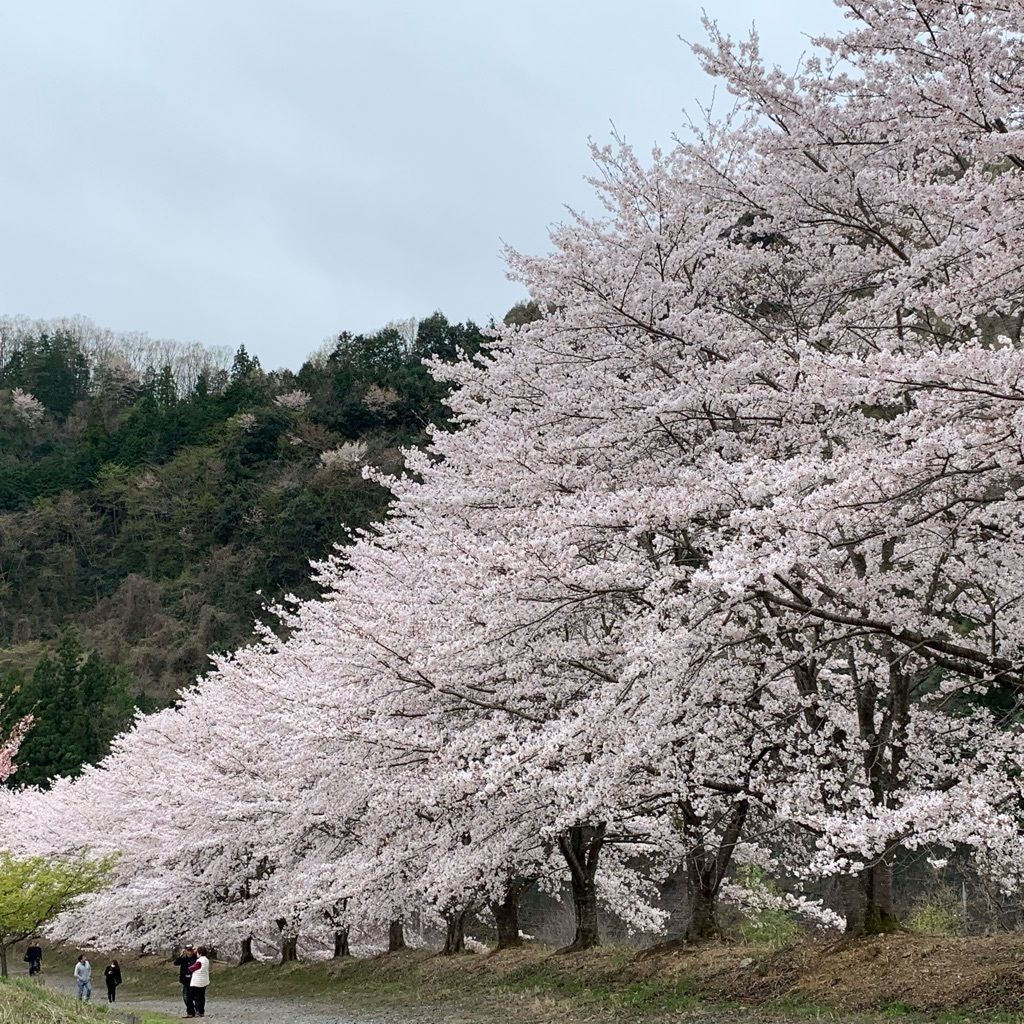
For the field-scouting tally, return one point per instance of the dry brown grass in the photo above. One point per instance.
(901, 973)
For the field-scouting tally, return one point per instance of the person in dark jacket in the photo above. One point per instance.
(112, 973)
(183, 961)
(34, 956)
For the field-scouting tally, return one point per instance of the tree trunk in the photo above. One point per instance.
(246, 956)
(851, 892)
(455, 933)
(396, 936)
(506, 916)
(289, 943)
(879, 916)
(705, 871)
(335, 917)
(867, 900)
(702, 922)
(581, 847)
(3, 961)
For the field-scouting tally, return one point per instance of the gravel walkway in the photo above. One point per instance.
(265, 1010)
(259, 1010)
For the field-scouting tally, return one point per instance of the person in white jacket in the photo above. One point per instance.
(83, 978)
(199, 979)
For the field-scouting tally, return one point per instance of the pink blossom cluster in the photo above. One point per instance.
(293, 400)
(10, 746)
(27, 407)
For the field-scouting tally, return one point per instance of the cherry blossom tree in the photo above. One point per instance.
(27, 407)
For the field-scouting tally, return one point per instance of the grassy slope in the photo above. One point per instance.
(23, 1002)
(906, 977)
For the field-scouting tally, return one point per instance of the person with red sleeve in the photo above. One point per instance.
(199, 979)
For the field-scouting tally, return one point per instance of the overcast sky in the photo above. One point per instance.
(269, 172)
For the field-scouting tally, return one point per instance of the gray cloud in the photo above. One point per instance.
(269, 173)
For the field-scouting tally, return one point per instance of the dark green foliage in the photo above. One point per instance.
(78, 703)
(379, 383)
(53, 369)
(522, 313)
(150, 515)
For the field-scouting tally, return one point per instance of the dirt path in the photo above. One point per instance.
(266, 1010)
(259, 1010)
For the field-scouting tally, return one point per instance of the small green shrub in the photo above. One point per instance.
(896, 1010)
(773, 928)
(935, 919)
(769, 926)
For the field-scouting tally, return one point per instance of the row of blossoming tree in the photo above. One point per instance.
(724, 566)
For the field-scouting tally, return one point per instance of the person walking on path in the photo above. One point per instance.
(113, 975)
(200, 980)
(34, 956)
(83, 978)
(183, 961)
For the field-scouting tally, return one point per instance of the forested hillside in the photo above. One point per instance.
(154, 497)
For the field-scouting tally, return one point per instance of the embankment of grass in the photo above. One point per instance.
(25, 1002)
(905, 977)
